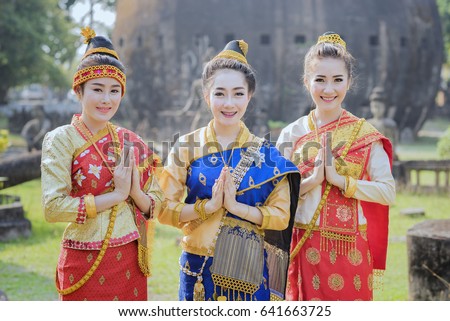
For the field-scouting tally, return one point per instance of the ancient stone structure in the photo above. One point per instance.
(13, 223)
(35, 129)
(428, 246)
(19, 167)
(385, 125)
(398, 45)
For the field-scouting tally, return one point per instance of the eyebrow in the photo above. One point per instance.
(235, 88)
(102, 85)
(322, 76)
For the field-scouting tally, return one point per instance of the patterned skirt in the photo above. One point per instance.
(194, 263)
(317, 274)
(117, 278)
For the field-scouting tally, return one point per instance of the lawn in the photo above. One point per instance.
(27, 266)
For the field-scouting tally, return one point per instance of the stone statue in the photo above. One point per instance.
(385, 125)
(35, 129)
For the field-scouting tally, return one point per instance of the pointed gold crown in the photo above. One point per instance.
(332, 38)
(235, 49)
(88, 35)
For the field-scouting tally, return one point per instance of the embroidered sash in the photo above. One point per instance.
(338, 215)
(100, 159)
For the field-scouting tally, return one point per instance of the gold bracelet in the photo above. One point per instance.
(350, 186)
(203, 216)
(89, 203)
(197, 207)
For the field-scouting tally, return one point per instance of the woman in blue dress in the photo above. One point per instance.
(231, 193)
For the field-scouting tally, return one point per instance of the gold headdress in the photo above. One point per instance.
(87, 33)
(332, 38)
(235, 49)
(99, 71)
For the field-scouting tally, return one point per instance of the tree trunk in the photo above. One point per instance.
(428, 245)
(3, 93)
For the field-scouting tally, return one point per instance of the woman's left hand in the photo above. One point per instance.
(135, 176)
(229, 200)
(331, 173)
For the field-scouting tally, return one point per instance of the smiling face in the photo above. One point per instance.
(228, 98)
(100, 99)
(328, 82)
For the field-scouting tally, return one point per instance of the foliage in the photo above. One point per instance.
(443, 146)
(444, 12)
(36, 42)
(4, 141)
(274, 124)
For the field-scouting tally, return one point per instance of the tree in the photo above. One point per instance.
(36, 44)
(444, 12)
(93, 5)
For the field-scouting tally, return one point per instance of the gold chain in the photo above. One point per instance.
(97, 261)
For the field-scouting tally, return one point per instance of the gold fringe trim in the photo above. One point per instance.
(342, 243)
(301, 226)
(274, 297)
(199, 290)
(143, 258)
(234, 284)
(277, 251)
(312, 223)
(378, 277)
(145, 252)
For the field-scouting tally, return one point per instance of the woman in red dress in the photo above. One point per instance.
(339, 240)
(100, 178)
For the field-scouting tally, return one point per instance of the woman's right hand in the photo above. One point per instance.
(318, 174)
(122, 176)
(216, 201)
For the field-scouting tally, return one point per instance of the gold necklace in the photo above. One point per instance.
(213, 133)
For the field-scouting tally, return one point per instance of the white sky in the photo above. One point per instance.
(106, 17)
(81, 8)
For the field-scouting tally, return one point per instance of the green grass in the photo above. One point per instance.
(27, 266)
(424, 148)
(396, 275)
